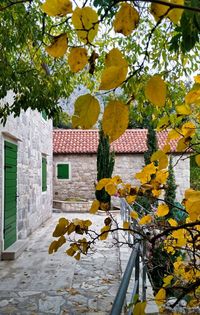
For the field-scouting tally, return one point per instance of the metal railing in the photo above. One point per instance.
(137, 261)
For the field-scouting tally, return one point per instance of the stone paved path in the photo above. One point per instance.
(38, 283)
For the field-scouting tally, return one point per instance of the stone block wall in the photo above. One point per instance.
(83, 174)
(182, 174)
(83, 177)
(33, 135)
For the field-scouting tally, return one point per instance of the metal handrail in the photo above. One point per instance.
(138, 249)
(121, 294)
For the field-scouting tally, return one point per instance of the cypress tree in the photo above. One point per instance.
(148, 200)
(151, 144)
(105, 166)
(170, 192)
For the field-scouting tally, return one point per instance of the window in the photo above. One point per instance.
(44, 173)
(44, 115)
(63, 171)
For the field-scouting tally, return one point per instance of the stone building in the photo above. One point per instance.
(25, 178)
(74, 161)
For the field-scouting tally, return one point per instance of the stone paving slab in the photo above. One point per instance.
(40, 284)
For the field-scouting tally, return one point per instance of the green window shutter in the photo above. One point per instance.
(44, 115)
(44, 174)
(63, 171)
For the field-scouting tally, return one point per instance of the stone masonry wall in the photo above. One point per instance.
(83, 177)
(83, 174)
(34, 136)
(182, 174)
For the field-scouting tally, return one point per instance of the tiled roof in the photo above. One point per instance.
(86, 141)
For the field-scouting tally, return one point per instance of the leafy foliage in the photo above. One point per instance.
(194, 174)
(57, 45)
(151, 144)
(105, 165)
(170, 191)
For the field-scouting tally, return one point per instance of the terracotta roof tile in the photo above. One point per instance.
(86, 141)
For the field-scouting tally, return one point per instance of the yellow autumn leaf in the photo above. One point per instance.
(60, 227)
(156, 193)
(61, 241)
(167, 280)
(53, 247)
(70, 251)
(87, 223)
(183, 109)
(57, 244)
(115, 72)
(166, 148)
(155, 91)
(111, 189)
(193, 97)
(145, 175)
(126, 19)
(150, 169)
(95, 206)
(117, 179)
(146, 219)
(197, 159)
(188, 129)
(112, 77)
(192, 202)
(162, 210)
(175, 14)
(157, 155)
(161, 176)
(77, 256)
(197, 78)
(104, 230)
(173, 134)
(57, 7)
(58, 47)
(130, 199)
(115, 58)
(163, 162)
(134, 215)
(77, 59)
(85, 21)
(77, 222)
(161, 157)
(159, 10)
(139, 308)
(160, 297)
(115, 119)
(102, 183)
(163, 123)
(182, 145)
(105, 206)
(180, 237)
(126, 225)
(172, 222)
(71, 228)
(75, 247)
(86, 112)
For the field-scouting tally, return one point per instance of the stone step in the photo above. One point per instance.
(15, 250)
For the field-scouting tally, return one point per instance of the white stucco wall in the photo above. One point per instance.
(83, 174)
(33, 136)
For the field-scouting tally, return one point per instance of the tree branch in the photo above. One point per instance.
(173, 228)
(14, 3)
(186, 290)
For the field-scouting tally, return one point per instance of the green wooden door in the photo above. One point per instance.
(10, 193)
